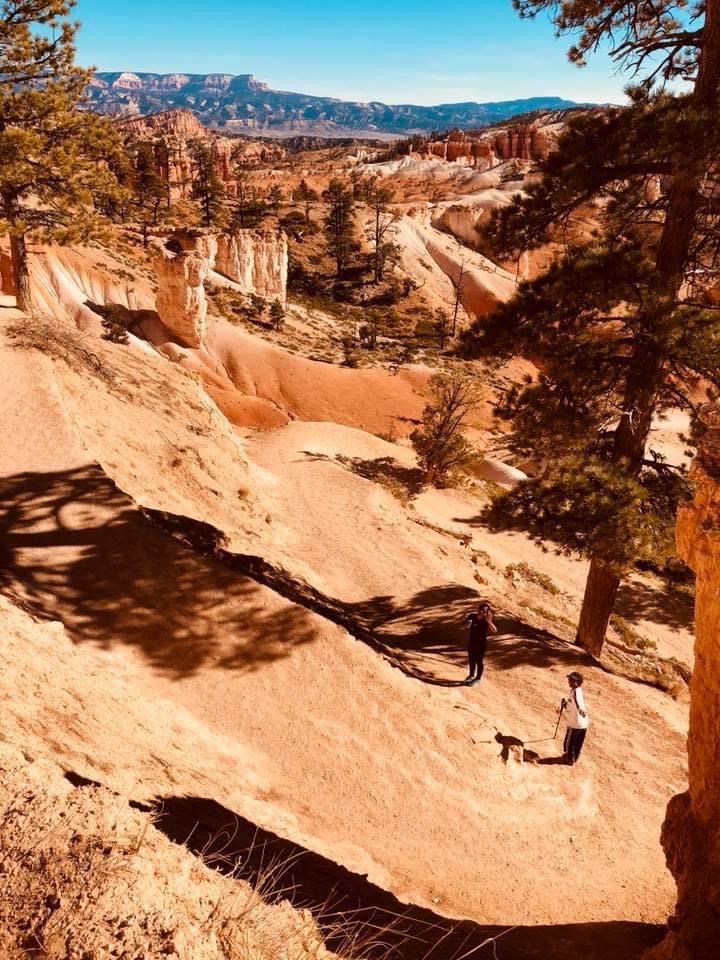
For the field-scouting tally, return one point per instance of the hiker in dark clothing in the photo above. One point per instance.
(480, 624)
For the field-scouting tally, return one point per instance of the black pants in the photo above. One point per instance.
(574, 740)
(476, 657)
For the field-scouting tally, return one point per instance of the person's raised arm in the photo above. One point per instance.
(491, 625)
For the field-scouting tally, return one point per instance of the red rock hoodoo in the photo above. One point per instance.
(691, 832)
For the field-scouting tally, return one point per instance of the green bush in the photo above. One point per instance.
(630, 636)
(527, 572)
(441, 448)
(115, 319)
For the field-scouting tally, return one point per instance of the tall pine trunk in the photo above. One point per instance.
(18, 254)
(377, 245)
(21, 272)
(640, 398)
(601, 590)
(631, 433)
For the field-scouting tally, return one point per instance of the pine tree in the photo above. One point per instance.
(249, 208)
(162, 156)
(441, 326)
(439, 442)
(150, 190)
(115, 201)
(207, 187)
(339, 223)
(307, 196)
(53, 157)
(274, 198)
(277, 315)
(379, 197)
(619, 325)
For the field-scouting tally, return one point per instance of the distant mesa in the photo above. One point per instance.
(243, 104)
(172, 82)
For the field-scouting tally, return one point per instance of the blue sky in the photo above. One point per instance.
(405, 51)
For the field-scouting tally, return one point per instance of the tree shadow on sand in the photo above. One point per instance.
(76, 548)
(346, 904)
(429, 628)
(403, 481)
(637, 599)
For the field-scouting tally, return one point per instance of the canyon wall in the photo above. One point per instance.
(691, 833)
(526, 142)
(172, 133)
(256, 260)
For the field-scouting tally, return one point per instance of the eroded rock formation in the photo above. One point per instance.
(691, 833)
(172, 132)
(527, 142)
(179, 123)
(257, 260)
(181, 302)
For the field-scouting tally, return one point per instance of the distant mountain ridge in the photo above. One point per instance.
(243, 104)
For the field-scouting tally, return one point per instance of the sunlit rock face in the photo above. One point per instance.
(181, 303)
(255, 259)
(691, 833)
(526, 142)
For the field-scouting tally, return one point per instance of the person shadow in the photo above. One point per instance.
(514, 748)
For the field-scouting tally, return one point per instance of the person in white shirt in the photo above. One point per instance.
(577, 719)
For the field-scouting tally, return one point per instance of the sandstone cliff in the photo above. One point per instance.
(691, 833)
(527, 142)
(256, 260)
(181, 302)
(180, 123)
(171, 133)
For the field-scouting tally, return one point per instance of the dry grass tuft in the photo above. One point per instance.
(61, 342)
(86, 876)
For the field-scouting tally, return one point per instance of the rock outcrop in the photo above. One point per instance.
(691, 833)
(178, 123)
(171, 133)
(256, 260)
(181, 302)
(527, 142)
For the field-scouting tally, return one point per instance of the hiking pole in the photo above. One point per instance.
(557, 725)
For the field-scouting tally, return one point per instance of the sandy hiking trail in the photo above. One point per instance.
(394, 774)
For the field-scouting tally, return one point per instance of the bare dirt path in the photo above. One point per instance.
(397, 779)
